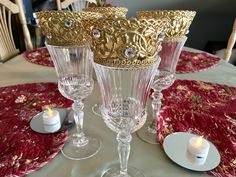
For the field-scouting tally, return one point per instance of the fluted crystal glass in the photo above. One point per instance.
(124, 94)
(117, 12)
(171, 49)
(74, 69)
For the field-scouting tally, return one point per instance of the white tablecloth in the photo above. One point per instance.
(148, 158)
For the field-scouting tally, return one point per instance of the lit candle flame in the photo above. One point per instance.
(50, 113)
(199, 141)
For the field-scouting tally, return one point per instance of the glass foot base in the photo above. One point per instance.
(146, 135)
(97, 109)
(71, 151)
(115, 172)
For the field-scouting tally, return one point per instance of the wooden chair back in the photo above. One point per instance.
(7, 44)
(75, 5)
(231, 43)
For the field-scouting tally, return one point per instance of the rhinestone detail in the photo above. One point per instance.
(161, 36)
(68, 23)
(129, 53)
(174, 22)
(49, 36)
(96, 33)
(187, 31)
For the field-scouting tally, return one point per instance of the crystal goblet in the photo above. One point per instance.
(117, 12)
(74, 69)
(124, 94)
(169, 54)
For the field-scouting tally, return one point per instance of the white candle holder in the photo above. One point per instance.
(199, 151)
(196, 160)
(51, 121)
(181, 149)
(37, 123)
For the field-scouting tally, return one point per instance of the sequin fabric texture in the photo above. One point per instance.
(205, 109)
(190, 62)
(22, 150)
(39, 56)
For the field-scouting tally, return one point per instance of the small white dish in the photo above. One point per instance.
(175, 147)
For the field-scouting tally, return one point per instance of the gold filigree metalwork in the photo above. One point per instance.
(126, 43)
(66, 27)
(119, 12)
(177, 21)
(116, 42)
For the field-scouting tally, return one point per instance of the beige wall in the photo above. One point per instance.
(213, 21)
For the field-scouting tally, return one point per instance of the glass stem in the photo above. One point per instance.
(156, 107)
(124, 139)
(80, 139)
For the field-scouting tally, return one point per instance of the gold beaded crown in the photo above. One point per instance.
(119, 12)
(177, 21)
(122, 43)
(65, 27)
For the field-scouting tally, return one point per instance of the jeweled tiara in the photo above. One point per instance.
(177, 21)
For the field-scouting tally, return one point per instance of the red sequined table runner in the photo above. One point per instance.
(205, 109)
(22, 150)
(190, 62)
(39, 56)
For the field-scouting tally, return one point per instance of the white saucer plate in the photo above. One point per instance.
(175, 147)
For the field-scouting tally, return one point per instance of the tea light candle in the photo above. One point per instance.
(51, 120)
(195, 160)
(198, 147)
